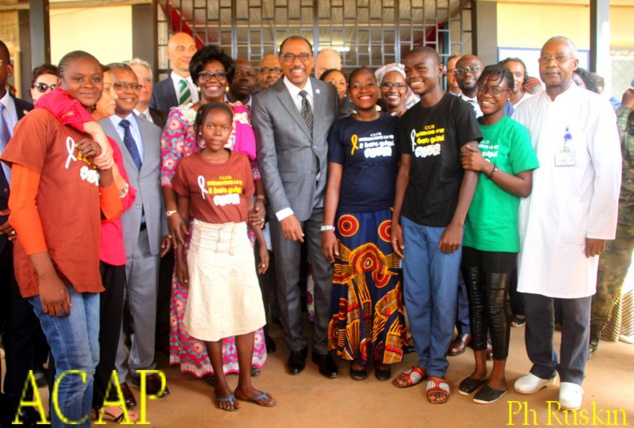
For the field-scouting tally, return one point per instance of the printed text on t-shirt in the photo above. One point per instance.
(374, 146)
(488, 149)
(428, 141)
(226, 190)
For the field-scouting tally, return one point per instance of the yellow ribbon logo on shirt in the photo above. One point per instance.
(355, 143)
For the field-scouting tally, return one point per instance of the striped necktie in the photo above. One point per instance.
(307, 112)
(184, 94)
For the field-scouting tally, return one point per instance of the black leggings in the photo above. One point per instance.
(487, 275)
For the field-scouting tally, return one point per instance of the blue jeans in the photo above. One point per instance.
(430, 291)
(74, 342)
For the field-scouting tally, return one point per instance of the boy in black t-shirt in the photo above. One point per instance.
(433, 194)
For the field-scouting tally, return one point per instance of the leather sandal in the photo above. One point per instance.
(436, 385)
(412, 377)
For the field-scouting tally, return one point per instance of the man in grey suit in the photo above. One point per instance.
(291, 120)
(144, 228)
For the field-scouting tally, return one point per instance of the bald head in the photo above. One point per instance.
(468, 71)
(180, 49)
(269, 71)
(327, 59)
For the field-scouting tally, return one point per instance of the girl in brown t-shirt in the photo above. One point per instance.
(215, 186)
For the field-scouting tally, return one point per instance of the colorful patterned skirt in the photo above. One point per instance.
(190, 353)
(367, 296)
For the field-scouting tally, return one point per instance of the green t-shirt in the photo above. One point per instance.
(491, 223)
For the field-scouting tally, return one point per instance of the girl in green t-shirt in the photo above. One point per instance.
(505, 160)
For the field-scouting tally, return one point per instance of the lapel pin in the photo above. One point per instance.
(317, 91)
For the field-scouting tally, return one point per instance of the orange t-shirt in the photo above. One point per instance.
(67, 200)
(218, 192)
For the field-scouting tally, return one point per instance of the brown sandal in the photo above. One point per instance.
(436, 385)
(410, 377)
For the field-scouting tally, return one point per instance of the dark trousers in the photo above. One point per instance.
(487, 275)
(110, 316)
(575, 330)
(22, 334)
(287, 267)
(463, 324)
(166, 270)
(267, 285)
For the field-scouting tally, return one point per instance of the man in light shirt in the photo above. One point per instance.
(143, 71)
(566, 220)
(178, 88)
(467, 72)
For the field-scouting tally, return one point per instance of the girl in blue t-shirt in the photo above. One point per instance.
(367, 288)
(491, 238)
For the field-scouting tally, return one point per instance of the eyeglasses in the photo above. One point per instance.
(124, 86)
(206, 76)
(289, 57)
(450, 70)
(390, 85)
(559, 58)
(266, 70)
(43, 87)
(240, 73)
(464, 70)
(494, 91)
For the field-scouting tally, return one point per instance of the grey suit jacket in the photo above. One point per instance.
(288, 158)
(149, 198)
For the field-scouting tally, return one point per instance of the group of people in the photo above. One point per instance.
(415, 205)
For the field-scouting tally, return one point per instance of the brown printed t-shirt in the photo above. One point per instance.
(67, 202)
(217, 192)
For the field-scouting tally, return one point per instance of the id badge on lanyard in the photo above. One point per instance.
(566, 155)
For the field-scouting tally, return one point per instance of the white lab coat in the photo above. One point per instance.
(568, 203)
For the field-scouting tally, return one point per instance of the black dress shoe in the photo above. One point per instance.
(270, 344)
(327, 365)
(153, 384)
(297, 361)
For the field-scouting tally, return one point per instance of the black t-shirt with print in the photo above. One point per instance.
(433, 137)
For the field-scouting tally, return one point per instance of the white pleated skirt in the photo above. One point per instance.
(224, 294)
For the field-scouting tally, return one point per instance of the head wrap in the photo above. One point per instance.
(410, 98)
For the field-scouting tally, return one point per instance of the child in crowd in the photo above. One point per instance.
(215, 186)
(433, 194)
(367, 323)
(505, 162)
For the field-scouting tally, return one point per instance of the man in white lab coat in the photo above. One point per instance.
(566, 220)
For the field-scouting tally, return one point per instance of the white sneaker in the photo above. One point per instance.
(530, 383)
(570, 395)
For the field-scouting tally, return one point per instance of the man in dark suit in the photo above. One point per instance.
(20, 327)
(178, 88)
(144, 229)
(291, 120)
